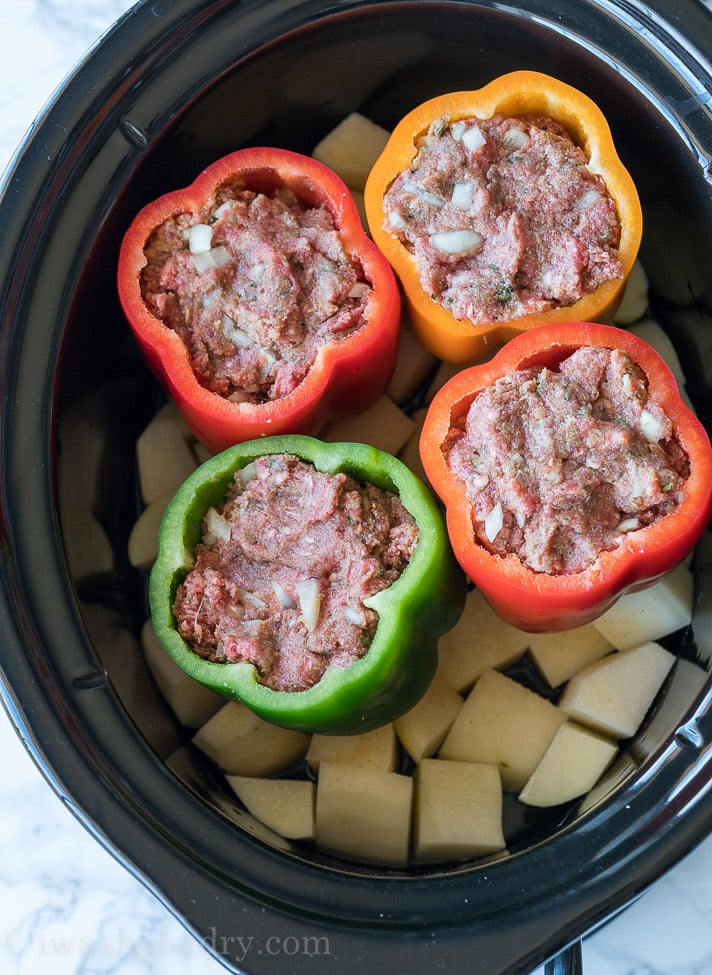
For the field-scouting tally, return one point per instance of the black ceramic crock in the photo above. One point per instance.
(169, 89)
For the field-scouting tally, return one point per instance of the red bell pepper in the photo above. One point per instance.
(347, 375)
(538, 601)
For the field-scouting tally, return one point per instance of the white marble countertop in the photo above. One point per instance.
(66, 906)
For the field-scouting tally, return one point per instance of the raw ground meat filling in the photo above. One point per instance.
(504, 218)
(559, 465)
(285, 565)
(254, 284)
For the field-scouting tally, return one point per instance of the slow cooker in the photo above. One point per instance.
(170, 88)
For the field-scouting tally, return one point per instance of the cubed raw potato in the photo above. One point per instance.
(377, 749)
(613, 695)
(560, 655)
(143, 539)
(503, 723)
(571, 765)
(457, 810)
(383, 425)
(635, 297)
(284, 805)
(242, 743)
(422, 730)
(192, 703)
(650, 614)
(364, 814)
(88, 549)
(413, 365)
(410, 454)
(351, 148)
(479, 641)
(169, 411)
(121, 656)
(164, 457)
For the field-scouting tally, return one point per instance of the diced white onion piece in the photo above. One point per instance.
(217, 526)
(520, 519)
(456, 241)
(233, 333)
(247, 473)
(211, 260)
(628, 525)
(200, 238)
(396, 221)
(456, 130)
(283, 597)
(589, 197)
(255, 601)
(463, 195)
(432, 199)
(494, 522)
(472, 138)
(221, 255)
(354, 615)
(210, 297)
(204, 262)
(359, 289)
(515, 138)
(225, 208)
(650, 426)
(309, 602)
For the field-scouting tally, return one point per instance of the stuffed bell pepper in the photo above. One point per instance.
(309, 580)
(502, 208)
(571, 470)
(258, 300)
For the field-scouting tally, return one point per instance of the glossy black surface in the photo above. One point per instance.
(171, 88)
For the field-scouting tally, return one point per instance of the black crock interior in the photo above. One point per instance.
(169, 90)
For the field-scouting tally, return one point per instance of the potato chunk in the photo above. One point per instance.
(422, 730)
(377, 749)
(650, 614)
(613, 695)
(560, 655)
(503, 723)
(364, 814)
(479, 641)
(143, 540)
(164, 456)
(571, 765)
(457, 810)
(242, 743)
(413, 365)
(634, 303)
(351, 148)
(192, 703)
(383, 425)
(284, 805)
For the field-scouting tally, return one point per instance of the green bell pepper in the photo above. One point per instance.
(424, 602)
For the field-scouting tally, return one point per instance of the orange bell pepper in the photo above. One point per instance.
(536, 600)
(512, 95)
